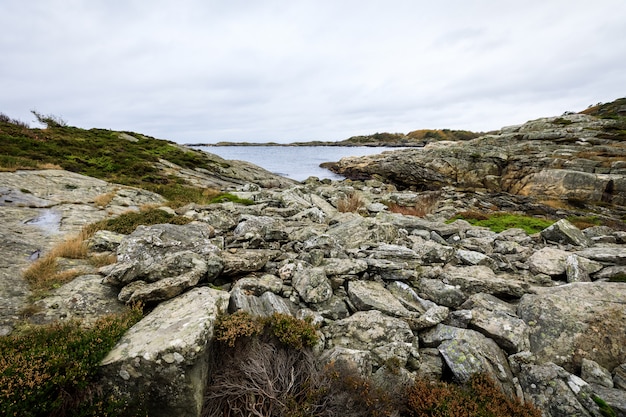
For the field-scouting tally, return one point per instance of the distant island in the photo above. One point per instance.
(416, 138)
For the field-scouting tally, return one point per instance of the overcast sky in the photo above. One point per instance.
(289, 70)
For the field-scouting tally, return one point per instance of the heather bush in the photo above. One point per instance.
(53, 370)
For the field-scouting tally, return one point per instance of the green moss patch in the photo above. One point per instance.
(499, 222)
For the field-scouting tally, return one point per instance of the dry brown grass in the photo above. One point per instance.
(102, 259)
(103, 200)
(351, 203)
(426, 204)
(44, 274)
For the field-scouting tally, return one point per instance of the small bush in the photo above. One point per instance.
(292, 332)
(52, 370)
(127, 223)
(479, 398)
(351, 203)
(230, 328)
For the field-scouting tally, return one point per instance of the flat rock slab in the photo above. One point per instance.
(164, 358)
(577, 321)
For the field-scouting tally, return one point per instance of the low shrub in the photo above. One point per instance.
(53, 370)
(127, 223)
(479, 398)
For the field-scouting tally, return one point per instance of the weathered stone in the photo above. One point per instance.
(443, 294)
(264, 305)
(104, 240)
(468, 257)
(335, 266)
(555, 391)
(477, 279)
(549, 261)
(576, 321)
(408, 297)
(612, 273)
(430, 318)
(243, 261)
(360, 230)
(467, 352)
(258, 286)
(614, 398)
(312, 284)
(372, 331)
(433, 253)
(619, 377)
(334, 309)
(431, 365)
(163, 359)
(593, 373)
(84, 298)
(609, 254)
(372, 295)
(565, 232)
(496, 319)
(391, 270)
(574, 270)
(344, 358)
(161, 281)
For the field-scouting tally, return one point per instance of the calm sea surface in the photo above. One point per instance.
(295, 162)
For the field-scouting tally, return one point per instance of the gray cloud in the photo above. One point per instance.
(282, 70)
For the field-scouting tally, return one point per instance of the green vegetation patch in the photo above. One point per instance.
(127, 223)
(501, 221)
(52, 370)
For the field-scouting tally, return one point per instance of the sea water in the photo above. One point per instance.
(295, 162)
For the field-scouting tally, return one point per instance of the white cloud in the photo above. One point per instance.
(283, 70)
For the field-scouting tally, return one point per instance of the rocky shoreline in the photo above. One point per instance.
(538, 313)
(543, 314)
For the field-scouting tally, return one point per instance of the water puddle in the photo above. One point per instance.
(48, 220)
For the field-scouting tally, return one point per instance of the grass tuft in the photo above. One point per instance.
(351, 203)
(498, 222)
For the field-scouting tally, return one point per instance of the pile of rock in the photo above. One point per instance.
(541, 314)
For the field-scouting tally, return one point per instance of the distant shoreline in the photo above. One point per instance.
(315, 143)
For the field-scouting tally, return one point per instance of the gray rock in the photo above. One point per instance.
(243, 261)
(333, 309)
(105, 241)
(614, 398)
(312, 284)
(467, 352)
(164, 280)
(549, 261)
(576, 321)
(496, 319)
(477, 279)
(443, 294)
(349, 359)
(408, 297)
(336, 266)
(264, 305)
(606, 254)
(619, 377)
(593, 373)
(574, 270)
(84, 298)
(432, 317)
(431, 365)
(555, 391)
(258, 286)
(611, 273)
(468, 257)
(164, 358)
(392, 270)
(431, 252)
(565, 232)
(374, 332)
(371, 295)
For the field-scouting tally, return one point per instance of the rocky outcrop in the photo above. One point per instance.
(575, 157)
(390, 292)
